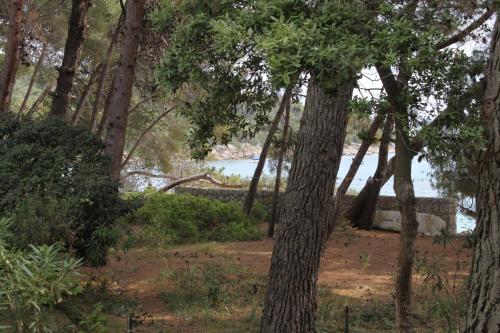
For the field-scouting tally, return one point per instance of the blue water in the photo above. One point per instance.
(420, 172)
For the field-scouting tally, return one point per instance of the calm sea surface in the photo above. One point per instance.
(420, 171)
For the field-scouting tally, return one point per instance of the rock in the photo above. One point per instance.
(391, 220)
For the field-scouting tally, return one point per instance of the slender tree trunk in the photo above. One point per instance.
(122, 88)
(353, 169)
(143, 134)
(39, 100)
(405, 195)
(105, 112)
(483, 310)
(85, 93)
(279, 167)
(363, 216)
(11, 59)
(290, 304)
(105, 70)
(252, 190)
(77, 27)
(33, 79)
(361, 202)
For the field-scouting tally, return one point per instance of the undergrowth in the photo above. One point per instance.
(167, 219)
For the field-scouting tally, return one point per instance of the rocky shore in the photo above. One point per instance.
(246, 150)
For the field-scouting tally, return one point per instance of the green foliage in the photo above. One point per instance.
(32, 282)
(171, 219)
(94, 321)
(237, 55)
(211, 287)
(49, 162)
(38, 221)
(447, 304)
(375, 316)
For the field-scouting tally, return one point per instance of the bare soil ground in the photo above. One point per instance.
(359, 265)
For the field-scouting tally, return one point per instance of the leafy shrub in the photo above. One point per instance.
(49, 161)
(37, 221)
(169, 218)
(31, 282)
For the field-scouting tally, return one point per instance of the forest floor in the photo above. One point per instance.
(219, 287)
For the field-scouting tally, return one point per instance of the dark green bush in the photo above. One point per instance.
(38, 221)
(170, 219)
(49, 161)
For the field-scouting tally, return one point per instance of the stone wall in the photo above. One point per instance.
(445, 208)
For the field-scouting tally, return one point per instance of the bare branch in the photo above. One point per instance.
(459, 36)
(143, 134)
(203, 176)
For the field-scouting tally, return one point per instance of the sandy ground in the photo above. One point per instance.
(357, 264)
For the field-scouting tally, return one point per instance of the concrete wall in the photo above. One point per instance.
(444, 208)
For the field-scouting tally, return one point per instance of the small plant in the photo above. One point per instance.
(31, 283)
(93, 322)
(365, 260)
(448, 301)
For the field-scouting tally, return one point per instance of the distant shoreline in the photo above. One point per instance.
(247, 151)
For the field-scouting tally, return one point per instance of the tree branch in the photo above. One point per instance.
(143, 134)
(203, 176)
(459, 36)
(149, 174)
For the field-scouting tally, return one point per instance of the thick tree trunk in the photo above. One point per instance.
(11, 58)
(405, 195)
(483, 311)
(252, 190)
(290, 304)
(362, 212)
(122, 88)
(77, 27)
(33, 79)
(279, 168)
(104, 75)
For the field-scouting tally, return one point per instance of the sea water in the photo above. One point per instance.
(421, 174)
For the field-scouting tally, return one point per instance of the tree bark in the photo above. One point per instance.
(405, 195)
(122, 88)
(279, 168)
(77, 27)
(79, 108)
(32, 80)
(11, 59)
(252, 190)
(105, 70)
(362, 212)
(290, 304)
(483, 310)
(105, 112)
